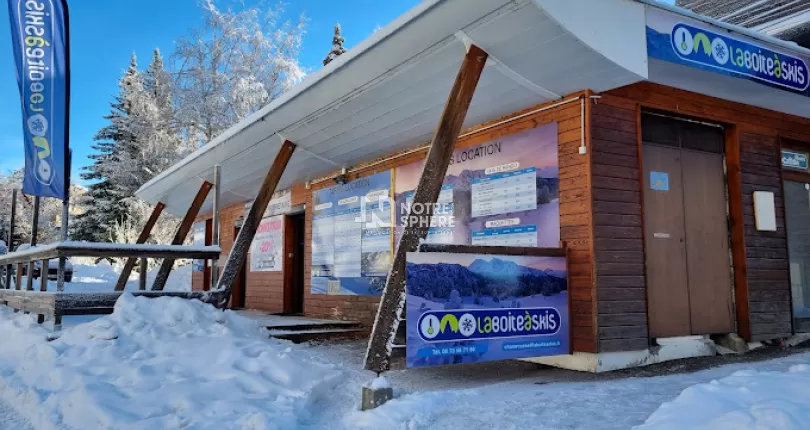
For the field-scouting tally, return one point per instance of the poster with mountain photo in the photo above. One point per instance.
(467, 308)
(500, 193)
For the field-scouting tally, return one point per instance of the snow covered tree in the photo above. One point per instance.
(337, 46)
(105, 196)
(239, 60)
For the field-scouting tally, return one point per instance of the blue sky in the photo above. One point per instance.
(105, 33)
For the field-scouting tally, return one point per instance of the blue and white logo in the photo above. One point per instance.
(729, 54)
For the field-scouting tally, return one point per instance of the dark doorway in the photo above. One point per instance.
(685, 228)
(294, 264)
(239, 284)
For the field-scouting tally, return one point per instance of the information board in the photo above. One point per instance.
(267, 248)
(467, 308)
(504, 193)
(351, 237)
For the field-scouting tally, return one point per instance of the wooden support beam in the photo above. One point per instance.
(239, 251)
(43, 275)
(427, 192)
(142, 238)
(180, 236)
(142, 275)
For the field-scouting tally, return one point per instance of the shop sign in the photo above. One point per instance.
(691, 44)
(466, 308)
(794, 160)
(267, 249)
(280, 203)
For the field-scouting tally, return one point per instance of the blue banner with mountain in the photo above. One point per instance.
(465, 308)
(40, 38)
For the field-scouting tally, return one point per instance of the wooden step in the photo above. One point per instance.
(314, 326)
(311, 334)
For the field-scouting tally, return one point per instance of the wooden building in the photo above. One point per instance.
(682, 184)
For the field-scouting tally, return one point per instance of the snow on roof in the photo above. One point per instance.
(386, 94)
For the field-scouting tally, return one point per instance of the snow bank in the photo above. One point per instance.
(748, 399)
(158, 364)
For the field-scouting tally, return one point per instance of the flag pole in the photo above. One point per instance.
(68, 152)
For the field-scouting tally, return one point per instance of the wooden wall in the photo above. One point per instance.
(761, 284)
(265, 289)
(574, 219)
(617, 229)
(765, 252)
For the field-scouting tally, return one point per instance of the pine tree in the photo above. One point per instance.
(104, 197)
(337, 46)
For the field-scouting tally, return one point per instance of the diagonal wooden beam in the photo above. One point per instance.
(180, 236)
(427, 192)
(239, 251)
(145, 232)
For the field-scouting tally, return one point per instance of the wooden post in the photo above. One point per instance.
(11, 235)
(43, 275)
(427, 192)
(215, 226)
(29, 280)
(145, 232)
(180, 236)
(142, 275)
(239, 251)
(18, 277)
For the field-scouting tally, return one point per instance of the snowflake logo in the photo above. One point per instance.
(720, 51)
(37, 126)
(467, 325)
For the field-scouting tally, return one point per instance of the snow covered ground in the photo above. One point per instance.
(170, 363)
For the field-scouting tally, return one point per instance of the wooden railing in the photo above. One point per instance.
(58, 303)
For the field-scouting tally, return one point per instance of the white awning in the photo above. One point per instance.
(386, 94)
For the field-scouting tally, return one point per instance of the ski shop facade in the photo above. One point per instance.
(669, 151)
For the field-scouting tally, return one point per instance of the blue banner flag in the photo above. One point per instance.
(39, 32)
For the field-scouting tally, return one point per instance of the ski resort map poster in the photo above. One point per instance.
(467, 308)
(351, 237)
(267, 249)
(501, 193)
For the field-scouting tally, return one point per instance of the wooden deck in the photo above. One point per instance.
(61, 304)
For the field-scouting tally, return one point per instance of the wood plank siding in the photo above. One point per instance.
(761, 284)
(618, 229)
(601, 217)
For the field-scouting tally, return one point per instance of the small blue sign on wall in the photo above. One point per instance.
(794, 160)
(659, 181)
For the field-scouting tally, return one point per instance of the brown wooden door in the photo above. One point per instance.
(707, 255)
(294, 264)
(685, 228)
(664, 241)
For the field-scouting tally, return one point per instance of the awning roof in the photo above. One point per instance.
(387, 93)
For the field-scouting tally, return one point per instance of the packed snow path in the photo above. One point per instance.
(10, 420)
